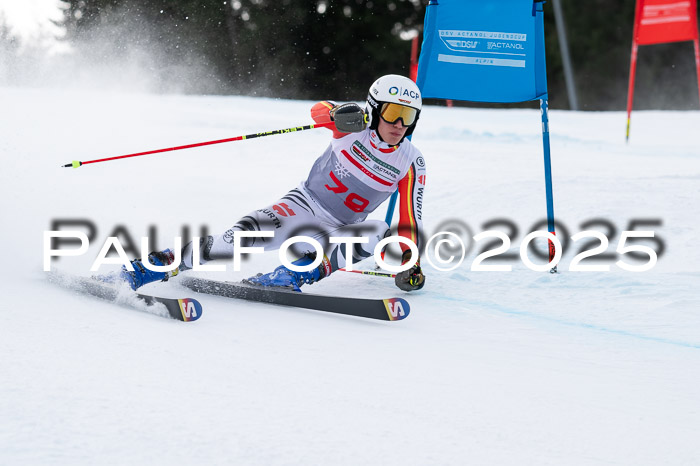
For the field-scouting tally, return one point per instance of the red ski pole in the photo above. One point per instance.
(77, 163)
(369, 272)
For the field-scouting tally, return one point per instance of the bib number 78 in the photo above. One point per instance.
(353, 201)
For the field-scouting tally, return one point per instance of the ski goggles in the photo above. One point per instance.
(391, 113)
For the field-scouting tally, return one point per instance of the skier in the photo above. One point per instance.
(357, 172)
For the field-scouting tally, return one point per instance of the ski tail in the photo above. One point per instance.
(184, 309)
(397, 308)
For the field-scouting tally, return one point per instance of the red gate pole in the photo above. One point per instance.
(697, 63)
(696, 43)
(633, 67)
(413, 66)
(630, 88)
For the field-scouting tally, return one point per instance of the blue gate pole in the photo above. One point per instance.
(390, 209)
(544, 107)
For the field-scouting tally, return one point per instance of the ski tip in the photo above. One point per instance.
(397, 308)
(190, 308)
(74, 164)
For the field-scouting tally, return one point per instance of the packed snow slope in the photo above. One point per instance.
(516, 367)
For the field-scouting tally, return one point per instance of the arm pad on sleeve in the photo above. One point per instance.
(320, 113)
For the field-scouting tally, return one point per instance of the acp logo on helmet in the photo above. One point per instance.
(403, 92)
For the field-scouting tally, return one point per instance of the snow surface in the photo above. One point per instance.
(490, 368)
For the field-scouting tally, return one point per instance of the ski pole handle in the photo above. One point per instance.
(77, 163)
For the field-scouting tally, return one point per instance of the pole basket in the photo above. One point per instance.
(552, 252)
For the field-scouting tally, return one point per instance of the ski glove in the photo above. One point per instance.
(411, 279)
(349, 118)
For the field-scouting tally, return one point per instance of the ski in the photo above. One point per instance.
(381, 309)
(185, 309)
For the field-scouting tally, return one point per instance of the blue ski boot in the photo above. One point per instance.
(282, 277)
(142, 276)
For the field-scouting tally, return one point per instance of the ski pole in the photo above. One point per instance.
(77, 163)
(369, 272)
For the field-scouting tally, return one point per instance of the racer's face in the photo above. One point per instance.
(391, 133)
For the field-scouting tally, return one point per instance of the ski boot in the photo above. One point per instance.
(282, 277)
(142, 276)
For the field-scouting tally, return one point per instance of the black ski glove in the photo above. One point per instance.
(411, 279)
(349, 118)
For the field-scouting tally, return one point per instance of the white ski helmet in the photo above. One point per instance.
(394, 97)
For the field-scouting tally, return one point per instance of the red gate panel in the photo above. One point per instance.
(659, 21)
